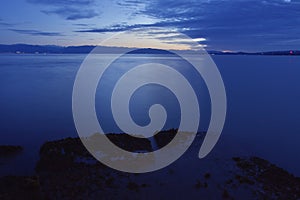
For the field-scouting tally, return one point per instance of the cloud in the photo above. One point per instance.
(115, 28)
(62, 2)
(2, 23)
(239, 24)
(226, 24)
(72, 13)
(124, 27)
(168, 36)
(83, 25)
(35, 32)
(5, 24)
(69, 9)
(231, 23)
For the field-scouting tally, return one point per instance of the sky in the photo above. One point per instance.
(233, 25)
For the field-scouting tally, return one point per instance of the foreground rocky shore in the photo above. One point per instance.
(67, 171)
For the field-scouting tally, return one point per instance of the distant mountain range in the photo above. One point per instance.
(35, 49)
(274, 53)
(53, 49)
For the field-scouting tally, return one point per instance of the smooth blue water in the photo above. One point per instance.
(263, 103)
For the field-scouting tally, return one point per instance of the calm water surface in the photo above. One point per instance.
(263, 103)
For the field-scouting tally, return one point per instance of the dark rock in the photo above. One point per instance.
(133, 186)
(130, 143)
(207, 175)
(276, 182)
(198, 184)
(20, 187)
(165, 137)
(145, 185)
(244, 179)
(8, 150)
(225, 194)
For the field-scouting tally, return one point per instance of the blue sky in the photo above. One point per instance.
(238, 25)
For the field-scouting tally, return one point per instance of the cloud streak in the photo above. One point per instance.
(240, 24)
(36, 32)
(72, 13)
(62, 2)
(68, 9)
(122, 27)
(2, 23)
(246, 25)
(231, 23)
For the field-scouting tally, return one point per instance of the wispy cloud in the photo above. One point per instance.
(36, 32)
(72, 13)
(124, 27)
(225, 23)
(69, 9)
(62, 2)
(3, 23)
(131, 3)
(84, 25)
(239, 25)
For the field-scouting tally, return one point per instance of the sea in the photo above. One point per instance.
(263, 104)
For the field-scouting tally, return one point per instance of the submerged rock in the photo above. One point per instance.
(20, 187)
(8, 150)
(276, 183)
